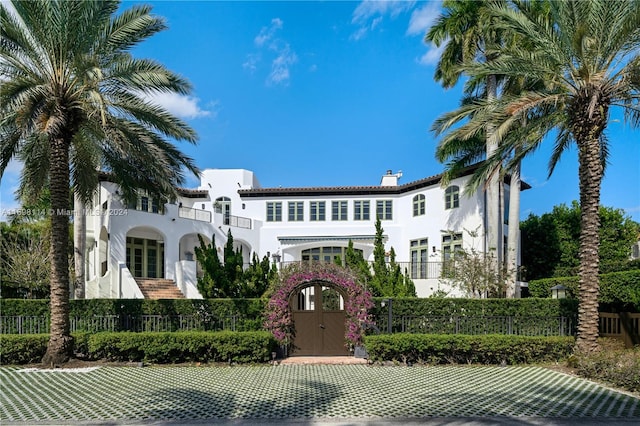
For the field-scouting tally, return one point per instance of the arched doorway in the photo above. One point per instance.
(318, 311)
(145, 253)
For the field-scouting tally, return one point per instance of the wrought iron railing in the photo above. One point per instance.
(507, 325)
(135, 323)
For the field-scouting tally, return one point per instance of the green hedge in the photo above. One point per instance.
(465, 349)
(618, 290)
(477, 307)
(91, 307)
(193, 346)
(22, 348)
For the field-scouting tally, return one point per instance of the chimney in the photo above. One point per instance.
(390, 179)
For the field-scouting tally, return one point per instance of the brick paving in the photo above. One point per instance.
(303, 392)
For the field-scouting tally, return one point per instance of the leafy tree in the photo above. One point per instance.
(551, 241)
(227, 278)
(388, 279)
(213, 272)
(471, 271)
(258, 277)
(233, 264)
(356, 262)
(74, 101)
(586, 54)
(24, 262)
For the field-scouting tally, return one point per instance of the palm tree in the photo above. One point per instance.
(589, 61)
(467, 29)
(73, 101)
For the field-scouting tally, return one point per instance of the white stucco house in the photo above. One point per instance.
(132, 249)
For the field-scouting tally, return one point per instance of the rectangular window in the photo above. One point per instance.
(144, 204)
(296, 211)
(451, 245)
(419, 258)
(274, 211)
(338, 210)
(384, 209)
(317, 210)
(361, 210)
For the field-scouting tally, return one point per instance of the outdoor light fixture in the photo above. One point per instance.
(558, 292)
(389, 303)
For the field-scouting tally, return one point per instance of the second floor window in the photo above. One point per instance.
(361, 210)
(338, 210)
(419, 250)
(451, 245)
(274, 211)
(145, 203)
(384, 209)
(317, 210)
(296, 211)
(419, 205)
(451, 197)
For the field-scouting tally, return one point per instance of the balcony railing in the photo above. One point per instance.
(237, 221)
(415, 271)
(194, 214)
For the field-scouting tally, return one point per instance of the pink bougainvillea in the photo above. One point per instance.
(357, 304)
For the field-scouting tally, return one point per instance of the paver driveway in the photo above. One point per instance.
(303, 392)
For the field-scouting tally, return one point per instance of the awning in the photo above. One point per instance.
(297, 239)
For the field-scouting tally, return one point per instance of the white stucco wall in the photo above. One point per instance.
(179, 234)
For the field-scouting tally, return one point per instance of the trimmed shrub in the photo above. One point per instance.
(613, 364)
(618, 290)
(192, 346)
(22, 348)
(466, 349)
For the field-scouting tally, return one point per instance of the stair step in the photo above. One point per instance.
(159, 288)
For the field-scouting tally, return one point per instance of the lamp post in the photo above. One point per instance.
(276, 259)
(558, 292)
(389, 304)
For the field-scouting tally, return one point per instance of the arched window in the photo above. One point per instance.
(223, 205)
(419, 204)
(451, 197)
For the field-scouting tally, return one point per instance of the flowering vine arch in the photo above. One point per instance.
(358, 301)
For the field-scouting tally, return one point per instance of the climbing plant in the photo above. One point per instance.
(278, 318)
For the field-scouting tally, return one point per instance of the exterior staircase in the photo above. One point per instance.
(159, 288)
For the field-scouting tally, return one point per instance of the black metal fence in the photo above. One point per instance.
(135, 323)
(509, 325)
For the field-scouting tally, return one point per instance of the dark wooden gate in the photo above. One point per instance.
(318, 319)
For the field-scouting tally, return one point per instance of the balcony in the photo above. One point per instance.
(415, 271)
(237, 221)
(194, 214)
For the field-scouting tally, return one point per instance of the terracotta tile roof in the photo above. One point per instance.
(184, 192)
(355, 190)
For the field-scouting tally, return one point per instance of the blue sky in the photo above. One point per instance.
(330, 94)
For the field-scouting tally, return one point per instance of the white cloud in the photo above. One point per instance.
(432, 56)
(252, 62)
(8, 187)
(281, 65)
(370, 8)
(180, 105)
(422, 19)
(268, 41)
(267, 33)
(369, 14)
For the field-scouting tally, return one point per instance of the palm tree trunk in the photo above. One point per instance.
(79, 249)
(590, 172)
(60, 346)
(494, 222)
(513, 238)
